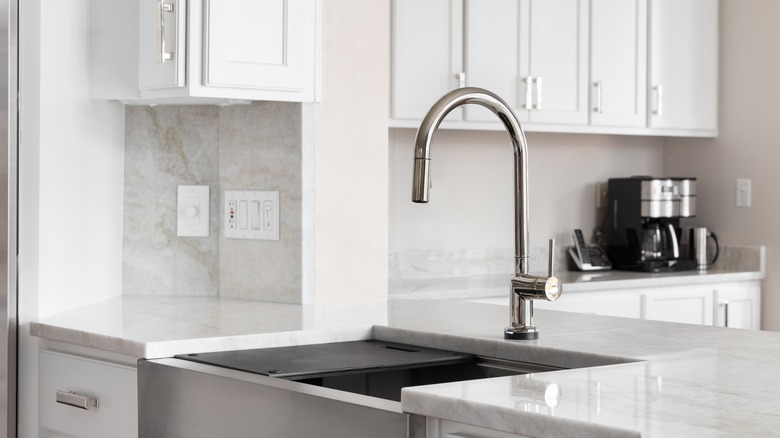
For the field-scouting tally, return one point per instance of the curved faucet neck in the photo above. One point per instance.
(422, 156)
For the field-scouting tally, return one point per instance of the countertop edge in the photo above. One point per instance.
(506, 419)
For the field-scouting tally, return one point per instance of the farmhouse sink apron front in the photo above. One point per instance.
(327, 390)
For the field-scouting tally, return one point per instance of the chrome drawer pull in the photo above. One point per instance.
(77, 400)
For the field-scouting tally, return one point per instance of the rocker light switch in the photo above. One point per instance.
(251, 214)
(192, 211)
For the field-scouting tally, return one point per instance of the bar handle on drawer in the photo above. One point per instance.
(77, 400)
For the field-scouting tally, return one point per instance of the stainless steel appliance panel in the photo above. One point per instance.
(179, 399)
(686, 186)
(8, 207)
(657, 209)
(687, 206)
(658, 190)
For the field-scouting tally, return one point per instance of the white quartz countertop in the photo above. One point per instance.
(637, 377)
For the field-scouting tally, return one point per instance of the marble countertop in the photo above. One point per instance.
(154, 327)
(628, 376)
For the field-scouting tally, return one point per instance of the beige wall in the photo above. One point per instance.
(471, 203)
(747, 145)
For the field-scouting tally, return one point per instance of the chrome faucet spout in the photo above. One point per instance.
(524, 287)
(422, 157)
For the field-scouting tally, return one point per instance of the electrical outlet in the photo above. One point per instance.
(251, 214)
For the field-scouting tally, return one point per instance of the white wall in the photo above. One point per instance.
(747, 145)
(72, 164)
(471, 204)
(70, 188)
(350, 153)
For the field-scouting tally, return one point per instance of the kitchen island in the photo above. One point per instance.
(629, 377)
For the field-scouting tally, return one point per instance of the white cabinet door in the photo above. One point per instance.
(685, 304)
(557, 56)
(618, 62)
(738, 306)
(256, 44)
(162, 44)
(684, 64)
(532, 53)
(492, 54)
(427, 55)
(205, 52)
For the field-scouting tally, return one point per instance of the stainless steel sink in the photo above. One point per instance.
(372, 368)
(326, 390)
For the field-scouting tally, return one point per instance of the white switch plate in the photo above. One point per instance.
(251, 214)
(743, 192)
(192, 211)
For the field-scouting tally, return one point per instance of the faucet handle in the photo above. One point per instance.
(550, 256)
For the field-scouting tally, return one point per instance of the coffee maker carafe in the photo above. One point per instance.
(659, 241)
(643, 222)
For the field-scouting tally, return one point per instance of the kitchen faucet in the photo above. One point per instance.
(524, 287)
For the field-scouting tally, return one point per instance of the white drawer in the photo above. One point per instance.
(451, 429)
(114, 385)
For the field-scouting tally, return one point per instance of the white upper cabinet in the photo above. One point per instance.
(556, 35)
(207, 51)
(492, 57)
(532, 53)
(644, 67)
(427, 55)
(162, 60)
(684, 64)
(618, 62)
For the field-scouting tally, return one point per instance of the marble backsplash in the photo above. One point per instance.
(255, 147)
(485, 272)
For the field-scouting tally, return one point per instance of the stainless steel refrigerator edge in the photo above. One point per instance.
(9, 55)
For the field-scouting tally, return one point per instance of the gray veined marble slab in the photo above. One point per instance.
(682, 381)
(485, 273)
(155, 326)
(628, 377)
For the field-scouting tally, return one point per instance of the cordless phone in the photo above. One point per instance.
(588, 257)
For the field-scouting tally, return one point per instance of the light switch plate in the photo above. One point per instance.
(743, 192)
(251, 214)
(192, 211)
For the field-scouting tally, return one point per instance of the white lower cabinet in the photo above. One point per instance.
(734, 304)
(70, 386)
(627, 305)
(737, 307)
(690, 304)
(438, 428)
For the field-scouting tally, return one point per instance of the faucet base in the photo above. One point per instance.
(524, 334)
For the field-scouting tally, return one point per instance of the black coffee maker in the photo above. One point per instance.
(643, 222)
